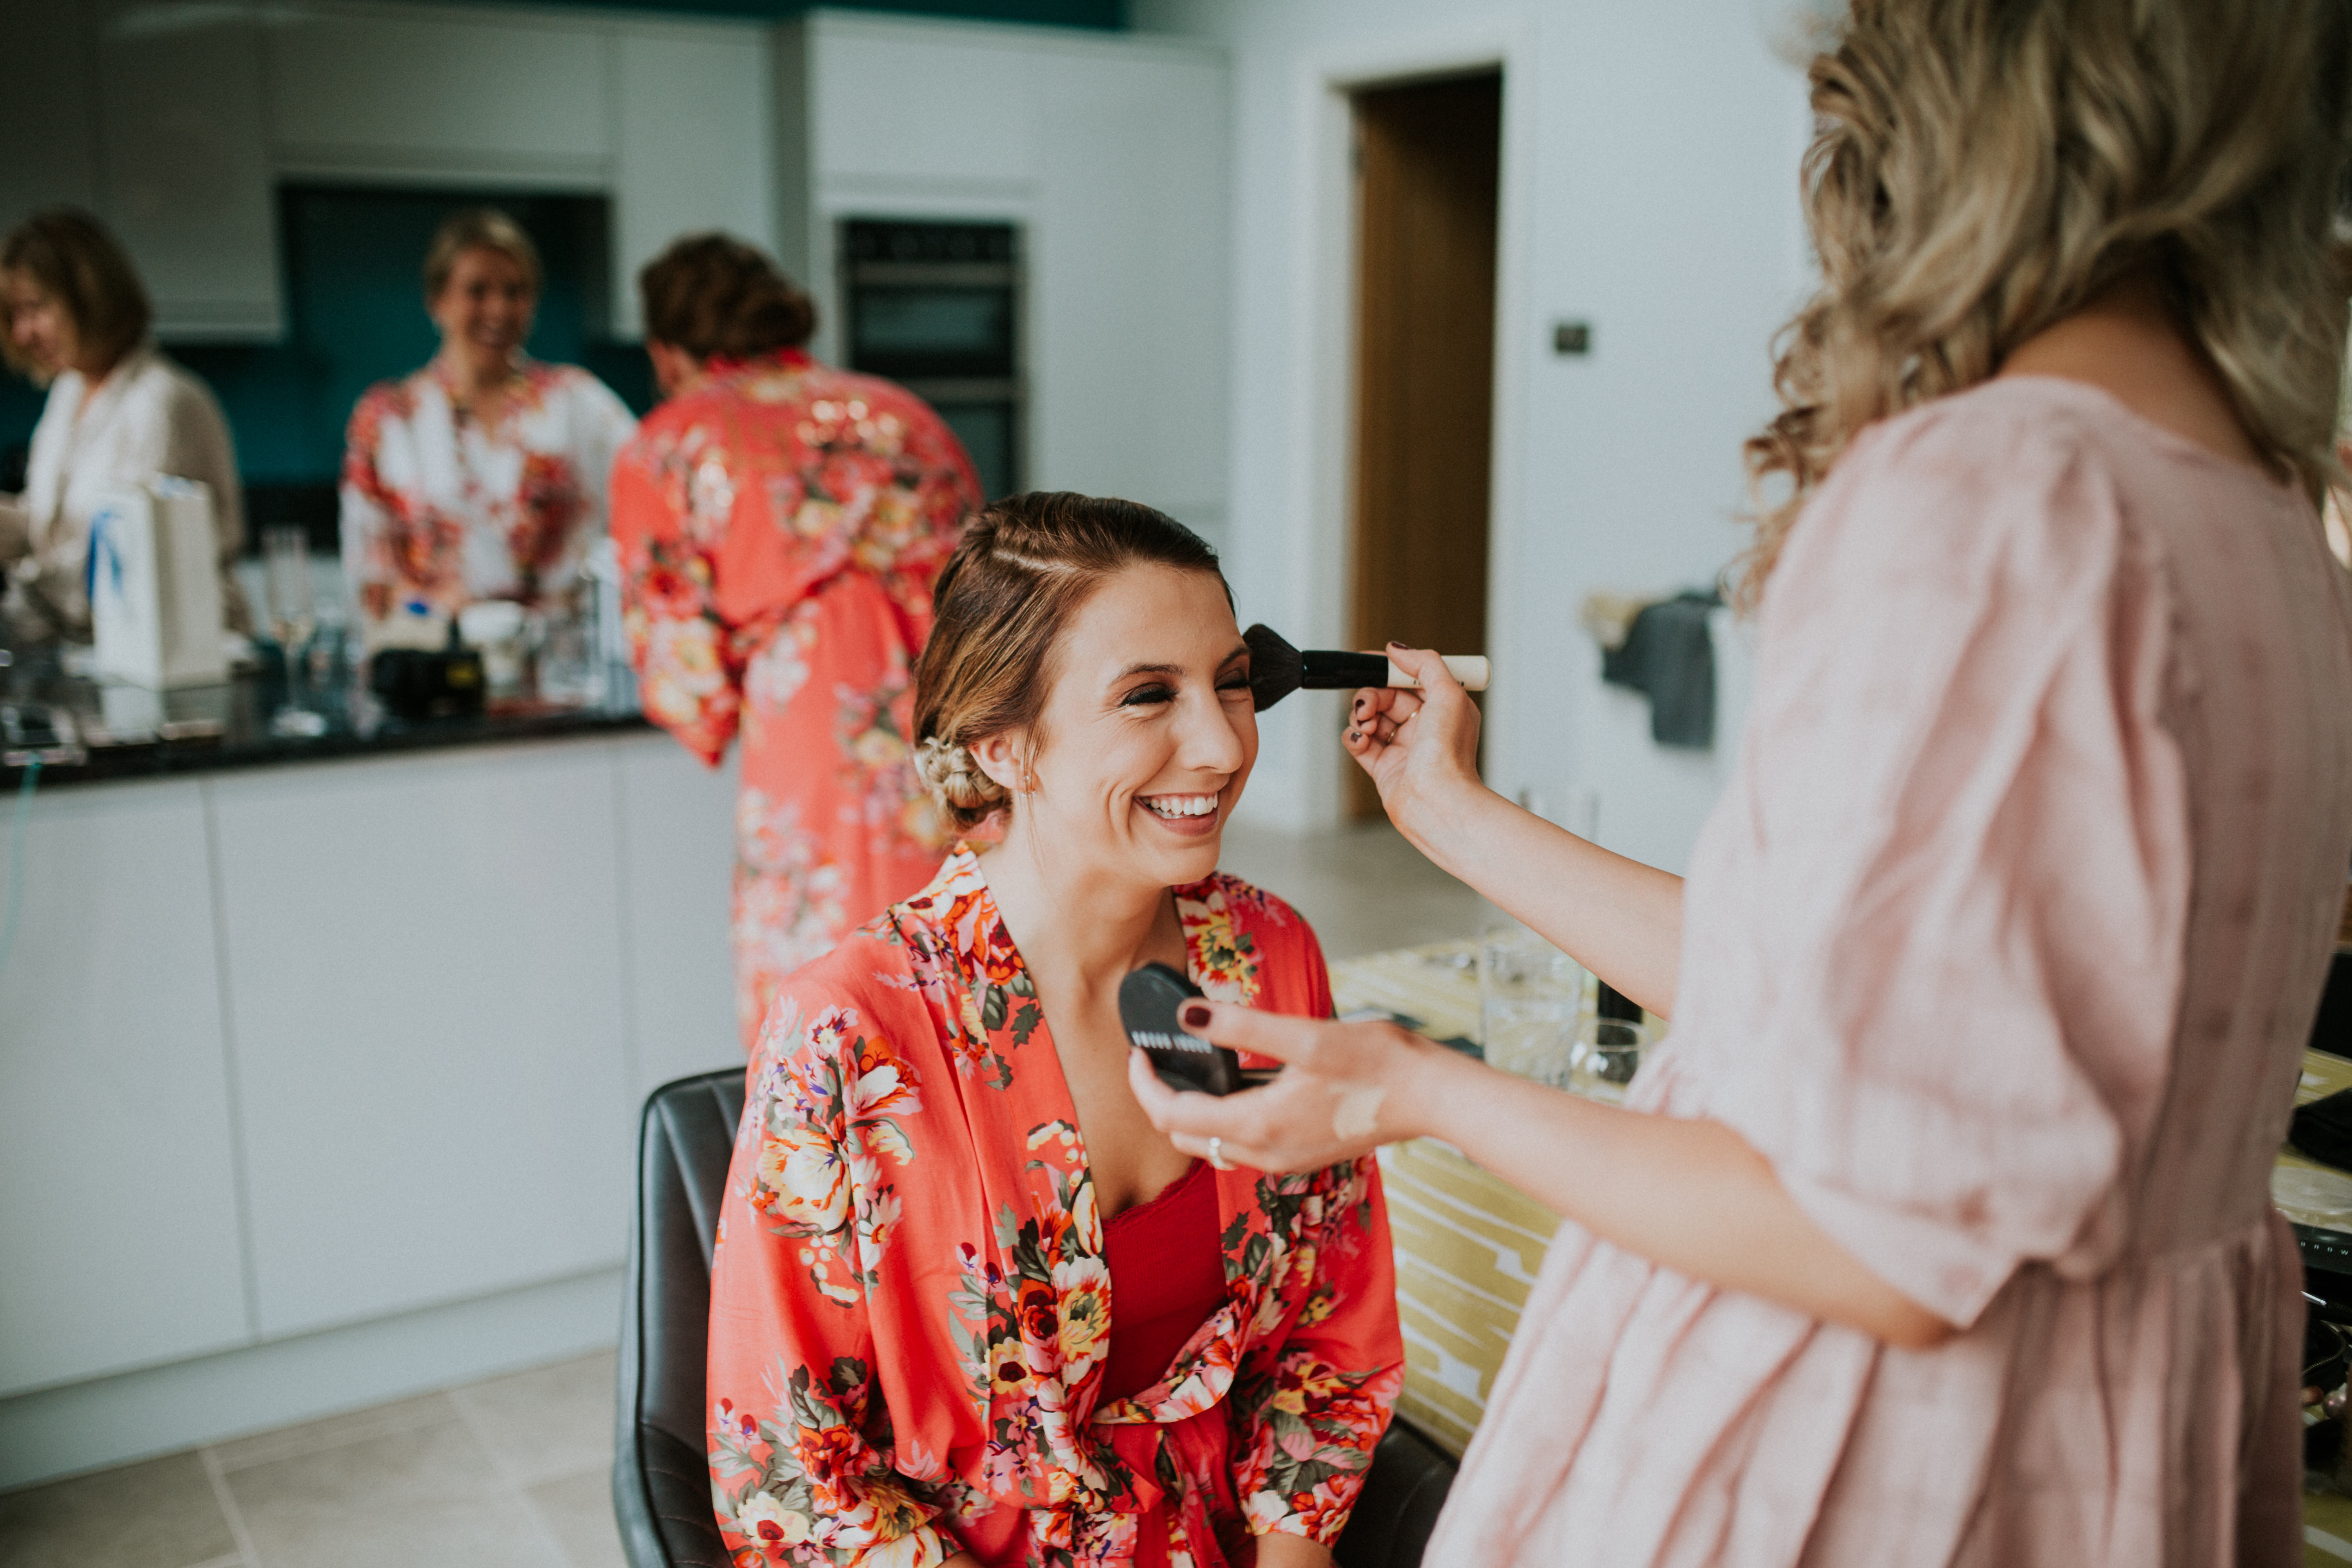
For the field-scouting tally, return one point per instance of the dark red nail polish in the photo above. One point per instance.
(1195, 1015)
(1353, 736)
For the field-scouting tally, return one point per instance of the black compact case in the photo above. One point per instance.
(1148, 999)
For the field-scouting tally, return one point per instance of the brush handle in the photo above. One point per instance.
(1324, 670)
(1471, 670)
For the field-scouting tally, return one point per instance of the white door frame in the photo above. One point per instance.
(1321, 568)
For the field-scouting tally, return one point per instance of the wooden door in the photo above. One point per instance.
(1426, 160)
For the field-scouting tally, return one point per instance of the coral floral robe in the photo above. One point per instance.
(910, 1314)
(779, 530)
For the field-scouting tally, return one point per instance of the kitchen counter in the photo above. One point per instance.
(122, 732)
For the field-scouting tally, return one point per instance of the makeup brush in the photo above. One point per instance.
(1277, 669)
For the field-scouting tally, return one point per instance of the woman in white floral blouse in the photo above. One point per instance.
(483, 475)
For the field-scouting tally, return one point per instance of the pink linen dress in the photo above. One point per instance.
(2002, 947)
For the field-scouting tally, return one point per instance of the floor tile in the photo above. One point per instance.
(578, 1511)
(423, 1494)
(160, 1514)
(1364, 889)
(374, 1421)
(546, 1422)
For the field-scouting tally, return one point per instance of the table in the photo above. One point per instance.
(1468, 1244)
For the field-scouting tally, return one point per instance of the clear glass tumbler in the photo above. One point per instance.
(1608, 1053)
(1530, 1000)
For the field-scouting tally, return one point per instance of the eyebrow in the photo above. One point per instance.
(1238, 650)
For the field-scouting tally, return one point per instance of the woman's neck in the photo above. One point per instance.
(95, 373)
(2129, 344)
(472, 375)
(1089, 940)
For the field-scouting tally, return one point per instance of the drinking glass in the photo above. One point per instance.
(1608, 1053)
(293, 616)
(1530, 996)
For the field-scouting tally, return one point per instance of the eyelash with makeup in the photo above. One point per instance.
(1152, 695)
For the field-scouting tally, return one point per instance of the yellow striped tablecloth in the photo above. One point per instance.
(1467, 1244)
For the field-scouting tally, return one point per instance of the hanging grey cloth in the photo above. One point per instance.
(1668, 657)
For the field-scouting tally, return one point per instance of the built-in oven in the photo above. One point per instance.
(935, 307)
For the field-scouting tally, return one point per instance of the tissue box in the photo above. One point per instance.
(154, 586)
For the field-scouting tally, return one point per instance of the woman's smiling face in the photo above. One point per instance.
(1149, 732)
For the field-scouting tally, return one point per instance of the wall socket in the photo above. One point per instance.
(1572, 337)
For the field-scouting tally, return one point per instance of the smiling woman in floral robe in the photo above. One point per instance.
(910, 1311)
(779, 528)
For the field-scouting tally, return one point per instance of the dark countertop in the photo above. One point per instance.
(126, 733)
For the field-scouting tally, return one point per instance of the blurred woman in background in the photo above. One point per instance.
(779, 524)
(118, 412)
(481, 475)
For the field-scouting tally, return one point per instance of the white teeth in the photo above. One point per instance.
(1181, 805)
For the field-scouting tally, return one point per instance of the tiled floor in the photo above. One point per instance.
(511, 1472)
(1363, 888)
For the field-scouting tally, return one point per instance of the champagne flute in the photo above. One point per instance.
(294, 615)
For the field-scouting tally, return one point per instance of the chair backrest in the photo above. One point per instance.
(661, 1472)
(661, 1476)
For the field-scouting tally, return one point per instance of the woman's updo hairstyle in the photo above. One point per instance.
(717, 298)
(1025, 565)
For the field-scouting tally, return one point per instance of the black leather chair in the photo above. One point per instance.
(661, 1481)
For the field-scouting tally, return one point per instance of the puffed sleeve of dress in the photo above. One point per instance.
(1942, 978)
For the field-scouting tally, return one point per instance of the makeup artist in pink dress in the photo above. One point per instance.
(1940, 1232)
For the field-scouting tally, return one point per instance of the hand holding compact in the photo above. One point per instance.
(1344, 1088)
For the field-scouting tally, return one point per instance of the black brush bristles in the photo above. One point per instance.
(1277, 669)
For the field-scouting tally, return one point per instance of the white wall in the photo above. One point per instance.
(1649, 176)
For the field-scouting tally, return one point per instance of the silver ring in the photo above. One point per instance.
(1217, 1155)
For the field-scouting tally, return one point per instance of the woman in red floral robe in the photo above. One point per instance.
(925, 1334)
(779, 525)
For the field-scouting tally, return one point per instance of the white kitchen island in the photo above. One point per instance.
(317, 1080)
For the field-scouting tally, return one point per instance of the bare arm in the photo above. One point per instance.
(1619, 918)
(1689, 1196)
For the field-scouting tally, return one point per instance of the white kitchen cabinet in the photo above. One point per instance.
(183, 163)
(1129, 265)
(924, 105)
(693, 134)
(47, 126)
(678, 866)
(1111, 156)
(404, 93)
(430, 1042)
(119, 1244)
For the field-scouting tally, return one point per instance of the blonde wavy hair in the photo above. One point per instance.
(1984, 168)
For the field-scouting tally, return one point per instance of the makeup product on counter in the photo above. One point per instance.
(1277, 669)
(415, 684)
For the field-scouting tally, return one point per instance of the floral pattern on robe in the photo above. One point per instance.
(910, 1311)
(441, 509)
(779, 528)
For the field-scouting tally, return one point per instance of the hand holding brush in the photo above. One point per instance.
(1277, 669)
